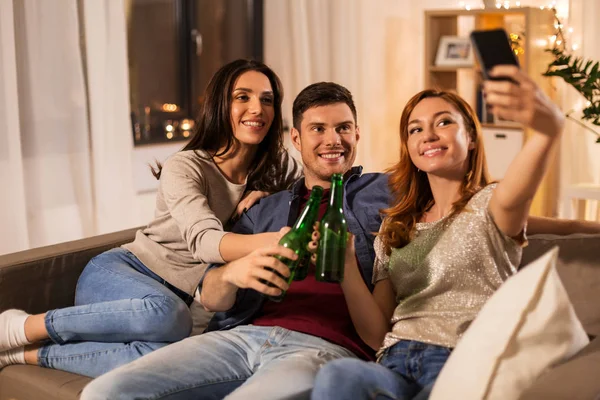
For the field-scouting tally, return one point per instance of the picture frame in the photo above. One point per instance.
(454, 51)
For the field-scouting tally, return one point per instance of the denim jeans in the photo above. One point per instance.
(120, 314)
(247, 362)
(405, 371)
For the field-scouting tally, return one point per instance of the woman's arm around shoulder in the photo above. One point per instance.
(183, 187)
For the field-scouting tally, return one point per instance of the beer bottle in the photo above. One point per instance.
(334, 232)
(302, 268)
(298, 238)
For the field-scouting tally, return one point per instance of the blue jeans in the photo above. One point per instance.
(247, 362)
(405, 371)
(120, 314)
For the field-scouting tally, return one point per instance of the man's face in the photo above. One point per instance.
(327, 142)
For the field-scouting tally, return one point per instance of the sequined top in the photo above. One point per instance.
(446, 273)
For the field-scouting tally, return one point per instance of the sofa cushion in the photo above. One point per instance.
(24, 382)
(527, 326)
(575, 379)
(579, 269)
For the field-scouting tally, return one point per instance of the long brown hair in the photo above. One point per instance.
(410, 187)
(269, 171)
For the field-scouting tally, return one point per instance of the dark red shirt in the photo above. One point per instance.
(315, 308)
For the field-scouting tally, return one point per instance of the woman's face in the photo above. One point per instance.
(252, 107)
(438, 142)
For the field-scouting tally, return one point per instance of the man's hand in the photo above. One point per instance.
(251, 272)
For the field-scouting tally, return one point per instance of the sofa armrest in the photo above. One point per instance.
(44, 278)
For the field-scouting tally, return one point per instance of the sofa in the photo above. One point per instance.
(41, 279)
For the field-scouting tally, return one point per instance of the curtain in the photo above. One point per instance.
(308, 41)
(65, 142)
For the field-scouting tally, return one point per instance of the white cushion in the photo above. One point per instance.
(527, 326)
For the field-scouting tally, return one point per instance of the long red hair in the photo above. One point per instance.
(410, 188)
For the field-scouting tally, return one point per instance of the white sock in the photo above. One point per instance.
(12, 356)
(12, 329)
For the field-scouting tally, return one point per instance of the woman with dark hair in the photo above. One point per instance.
(449, 239)
(134, 299)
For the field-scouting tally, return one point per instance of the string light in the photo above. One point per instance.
(506, 4)
(168, 107)
(553, 40)
(515, 43)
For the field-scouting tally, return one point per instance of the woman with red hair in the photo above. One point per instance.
(448, 241)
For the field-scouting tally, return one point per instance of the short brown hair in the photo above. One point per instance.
(320, 94)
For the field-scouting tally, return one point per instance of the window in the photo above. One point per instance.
(174, 47)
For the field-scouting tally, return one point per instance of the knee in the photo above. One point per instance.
(327, 382)
(341, 368)
(170, 322)
(103, 389)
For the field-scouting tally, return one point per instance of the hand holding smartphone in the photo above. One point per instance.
(492, 47)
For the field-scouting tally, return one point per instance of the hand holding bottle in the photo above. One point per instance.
(250, 272)
(334, 233)
(298, 237)
(350, 254)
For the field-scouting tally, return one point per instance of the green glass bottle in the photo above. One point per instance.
(302, 268)
(300, 235)
(334, 233)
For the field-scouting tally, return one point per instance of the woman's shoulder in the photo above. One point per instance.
(482, 197)
(196, 160)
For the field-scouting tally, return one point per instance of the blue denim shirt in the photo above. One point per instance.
(364, 196)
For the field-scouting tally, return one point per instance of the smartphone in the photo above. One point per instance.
(492, 47)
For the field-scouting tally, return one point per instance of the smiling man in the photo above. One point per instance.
(329, 133)
(255, 348)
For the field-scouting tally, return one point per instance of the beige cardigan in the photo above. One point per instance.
(193, 203)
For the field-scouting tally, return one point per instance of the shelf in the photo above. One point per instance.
(434, 68)
(502, 126)
(479, 11)
(537, 24)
